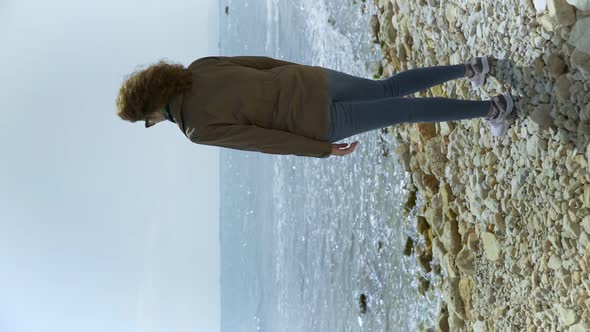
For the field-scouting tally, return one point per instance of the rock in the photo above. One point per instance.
(436, 159)
(586, 224)
(430, 185)
(403, 153)
(404, 6)
(426, 130)
(449, 265)
(583, 243)
(456, 303)
(540, 5)
(455, 322)
(583, 129)
(482, 172)
(492, 204)
(490, 246)
(560, 14)
(554, 262)
(387, 32)
(451, 13)
(446, 128)
(404, 33)
(424, 260)
(363, 303)
(410, 202)
(417, 177)
(567, 316)
(451, 238)
(565, 278)
(382, 3)
(389, 70)
(465, 293)
(580, 4)
(548, 22)
(518, 181)
(409, 246)
(555, 65)
(581, 62)
(438, 250)
(465, 261)
(375, 26)
(442, 324)
(445, 195)
(580, 327)
(571, 229)
(562, 11)
(586, 197)
(534, 146)
(542, 116)
(562, 88)
(479, 326)
(421, 159)
(423, 285)
(422, 225)
(579, 36)
(434, 216)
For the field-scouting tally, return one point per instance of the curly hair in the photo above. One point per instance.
(147, 90)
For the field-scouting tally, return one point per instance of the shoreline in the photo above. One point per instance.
(507, 219)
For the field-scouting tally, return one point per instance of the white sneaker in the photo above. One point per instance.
(480, 67)
(503, 105)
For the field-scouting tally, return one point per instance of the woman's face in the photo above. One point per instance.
(154, 118)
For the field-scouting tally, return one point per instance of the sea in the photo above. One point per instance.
(303, 238)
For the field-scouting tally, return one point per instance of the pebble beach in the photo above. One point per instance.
(504, 222)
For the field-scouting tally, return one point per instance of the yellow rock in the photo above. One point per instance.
(430, 185)
(491, 247)
(437, 91)
(403, 22)
(428, 241)
(430, 43)
(465, 261)
(450, 266)
(408, 48)
(426, 131)
(465, 287)
(443, 322)
(445, 193)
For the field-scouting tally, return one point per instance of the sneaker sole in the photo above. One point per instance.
(486, 69)
(509, 108)
(509, 103)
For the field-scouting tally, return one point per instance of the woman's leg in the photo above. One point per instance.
(349, 118)
(346, 87)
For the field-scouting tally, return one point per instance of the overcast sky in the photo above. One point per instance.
(104, 225)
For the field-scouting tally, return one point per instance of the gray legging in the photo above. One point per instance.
(358, 104)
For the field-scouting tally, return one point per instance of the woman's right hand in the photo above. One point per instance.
(343, 149)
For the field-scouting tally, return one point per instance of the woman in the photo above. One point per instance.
(274, 106)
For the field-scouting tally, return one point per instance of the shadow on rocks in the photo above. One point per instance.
(550, 95)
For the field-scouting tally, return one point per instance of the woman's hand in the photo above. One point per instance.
(343, 149)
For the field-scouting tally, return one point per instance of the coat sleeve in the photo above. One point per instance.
(253, 138)
(257, 62)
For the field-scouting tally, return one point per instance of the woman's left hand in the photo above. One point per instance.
(343, 149)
